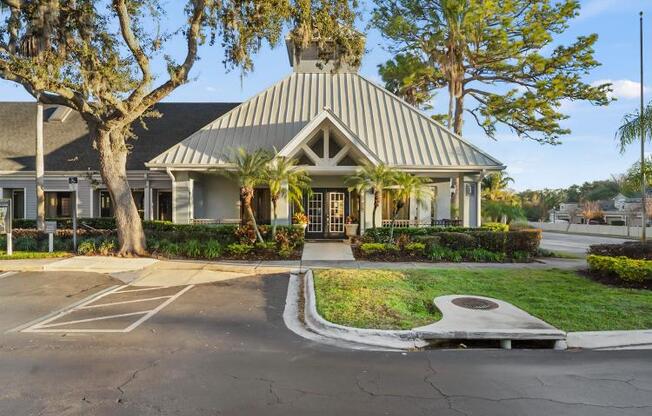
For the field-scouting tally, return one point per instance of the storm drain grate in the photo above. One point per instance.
(475, 303)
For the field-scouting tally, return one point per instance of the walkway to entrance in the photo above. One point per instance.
(328, 250)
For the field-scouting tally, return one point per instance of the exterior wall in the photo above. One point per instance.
(215, 197)
(443, 200)
(87, 196)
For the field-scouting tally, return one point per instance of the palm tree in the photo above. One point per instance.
(279, 172)
(374, 178)
(404, 186)
(248, 171)
(494, 186)
(630, 131)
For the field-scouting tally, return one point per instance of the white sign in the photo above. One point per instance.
(50, 227)
(5, 216)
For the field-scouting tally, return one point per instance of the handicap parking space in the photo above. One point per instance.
(117, 309)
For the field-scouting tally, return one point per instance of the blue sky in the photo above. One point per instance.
(588, 153)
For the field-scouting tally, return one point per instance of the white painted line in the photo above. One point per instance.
(60, 311)
(85, 302)
(99, 318)
(58, 330)
(142, 290)
(158, 308)
(6, 274)
(122, 302)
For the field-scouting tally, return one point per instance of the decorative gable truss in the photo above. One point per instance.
(325, 143)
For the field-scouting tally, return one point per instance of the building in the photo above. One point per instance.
(328, 117)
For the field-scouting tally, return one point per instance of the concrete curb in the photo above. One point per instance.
(604, 340)
(401, 339)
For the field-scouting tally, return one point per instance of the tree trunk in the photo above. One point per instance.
(274, 203)
(378, 196)
(247, 195)
(39, 165)
(113, 168)
(451, 105)
(459, 115)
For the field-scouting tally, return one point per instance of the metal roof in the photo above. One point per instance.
(397, 133)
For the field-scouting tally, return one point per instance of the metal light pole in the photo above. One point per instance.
(642, 126)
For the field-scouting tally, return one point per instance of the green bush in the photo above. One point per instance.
(25, 244)
(212, 249)
(480, 255)
(237, 249)
(61, 244)
(381, 234)
(494, 226)
(107, 246)
(491, 240)
(630, 249)
(414, 249)
(169, 249)
(86, 247)
(626, 269)
(430, 241)
(457, 241)
(440, 253)
(519, 225)
(523, 240)
(190, 248)
(372, 248)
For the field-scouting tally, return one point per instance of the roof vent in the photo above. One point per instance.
(60, 114)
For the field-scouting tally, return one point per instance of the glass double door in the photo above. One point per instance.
(326, 210)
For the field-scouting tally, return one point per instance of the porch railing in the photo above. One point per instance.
(415, 223)
(209, 221)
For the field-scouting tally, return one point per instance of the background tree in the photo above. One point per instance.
(411, 79)
(284, 178)
(374, 178)
(495, 186)
(97, 58)
(632, 183)
(591, 210)
(248, 171)
(491, 52)
(404, 186)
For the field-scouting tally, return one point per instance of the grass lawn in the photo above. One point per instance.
(403, 299)
(22, 255)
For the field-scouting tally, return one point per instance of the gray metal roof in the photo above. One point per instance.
(397, 133)
(66, 142)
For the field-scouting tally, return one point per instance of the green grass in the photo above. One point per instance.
(23, 255)
(402, 299)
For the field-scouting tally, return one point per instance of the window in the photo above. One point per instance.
(389, 205)
(106, 204)
(261, 205)
(58, 204)
(164, 206)
(18, 203)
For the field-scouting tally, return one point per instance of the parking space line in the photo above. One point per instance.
(158, 308)
(99, 318)
(142, 290)
(6, 274)
(123, 302)
(44, 325)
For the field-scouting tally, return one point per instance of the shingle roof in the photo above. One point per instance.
(67, 145)
(397, 133)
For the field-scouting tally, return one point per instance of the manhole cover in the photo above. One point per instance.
(475, 303)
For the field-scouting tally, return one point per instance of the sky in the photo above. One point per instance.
(588, 153)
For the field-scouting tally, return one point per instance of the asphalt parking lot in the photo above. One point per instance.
(575, 244)
(223, 349)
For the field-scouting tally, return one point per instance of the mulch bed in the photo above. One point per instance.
(614, 281)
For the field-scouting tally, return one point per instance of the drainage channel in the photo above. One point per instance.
(119, 310)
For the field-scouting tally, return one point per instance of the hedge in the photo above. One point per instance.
(630, 249)
(454, 238)
(626, 269)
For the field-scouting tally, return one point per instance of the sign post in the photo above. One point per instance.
(50, 229)
(5, 223)
(72, 184)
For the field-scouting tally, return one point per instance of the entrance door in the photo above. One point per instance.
(326, 210)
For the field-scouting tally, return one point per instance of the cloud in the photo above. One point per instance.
(623, 88)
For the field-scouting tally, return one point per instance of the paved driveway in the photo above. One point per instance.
(574, 243)
(223, 349)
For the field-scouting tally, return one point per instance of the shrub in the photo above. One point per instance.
(381, 234)
(519, 226)
(491, 240)
(430, 241)
(456, 240)
(523, 240)
(626, 269)
(518, 256)
(495, 226)
(168, 248)
(107, 246)
(190, 248)
(86, 247)
(481, 255)
(212, 249)
(618, 222)
(372, 248)
(285, 252)
(440, 253)
(630, 249)
(61, 244)
(237, 249)
(414, 249)
(25, 244)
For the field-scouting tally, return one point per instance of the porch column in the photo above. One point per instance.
(147, 199)
(283, 208)
(182, 187)
(461, 199)
(478, 202)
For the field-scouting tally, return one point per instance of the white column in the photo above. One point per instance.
(282, 208)
(147, 199)
(478, 202)
(182, 198)
(40, 169)
(461, 199)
